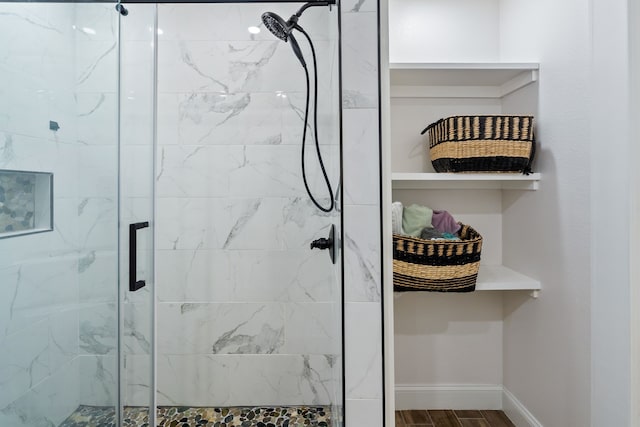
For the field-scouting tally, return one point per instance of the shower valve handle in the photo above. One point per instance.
(328, 243)
(321, 243)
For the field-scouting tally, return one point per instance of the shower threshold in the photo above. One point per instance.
(182, 416)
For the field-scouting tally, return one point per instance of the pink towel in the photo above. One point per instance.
(444, 222)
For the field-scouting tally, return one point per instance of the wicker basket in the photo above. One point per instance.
(482, 144)
(437, 265)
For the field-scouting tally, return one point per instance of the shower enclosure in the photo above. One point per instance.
(176, 281)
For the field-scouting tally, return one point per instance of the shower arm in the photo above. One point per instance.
(314, 3)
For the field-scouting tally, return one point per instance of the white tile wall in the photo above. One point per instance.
(310, 328)
(137, 375)
(362, 222)
(96, 83)
(362, 253)
(364, 413)
(243, 275)
(25, 361)
(247, 314)
(360, 60)
(361, 156)
(255, 228)
(220, 328)
(252, 379)
(97, 382)
(48, 403)
(51, 70)
(97, 328)
(363, 351)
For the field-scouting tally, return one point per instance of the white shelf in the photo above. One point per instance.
(461, 181)
(457, 80)
(500, 278)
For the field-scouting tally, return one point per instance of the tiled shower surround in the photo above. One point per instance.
(247, 314)
(58, 295)
(231, 268)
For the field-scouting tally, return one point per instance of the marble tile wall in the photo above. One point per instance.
(95, 95)
(52, 281)
(60, 282)
(247, 314)
(362, 222)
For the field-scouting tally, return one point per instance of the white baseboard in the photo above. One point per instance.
(443, 396)
(517, 412)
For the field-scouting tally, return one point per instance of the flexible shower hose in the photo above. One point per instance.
(315, 127)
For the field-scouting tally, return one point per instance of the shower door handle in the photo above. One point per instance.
(134, 283)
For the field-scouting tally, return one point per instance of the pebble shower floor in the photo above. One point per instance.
(172, 416)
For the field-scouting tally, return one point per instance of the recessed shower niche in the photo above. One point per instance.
(26, 204)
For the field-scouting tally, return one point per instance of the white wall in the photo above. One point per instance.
(611, 192)
(445, 340)
(547, 341)
(448, 339)
(634, 253)
(546, 234)
(443, 31)
(584, 330)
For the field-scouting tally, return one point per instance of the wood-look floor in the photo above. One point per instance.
(449, 418)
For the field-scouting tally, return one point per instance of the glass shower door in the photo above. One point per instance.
(58, 282)
(137, 153)
(249, 317)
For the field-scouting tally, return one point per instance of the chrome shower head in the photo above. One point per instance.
(278, 26)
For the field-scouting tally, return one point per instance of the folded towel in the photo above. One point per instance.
(396, 217)
(415, 218)
(444, 222)
(430, 233)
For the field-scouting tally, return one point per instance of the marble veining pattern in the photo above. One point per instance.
(360, 61)
(362, 258)
(98, 379)
(242, 298)
(356, 95)
(211, 275)
(238, 223)
(98, 328)
(361, 144)
(259, 379)
(51, 68)
(220, 328)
